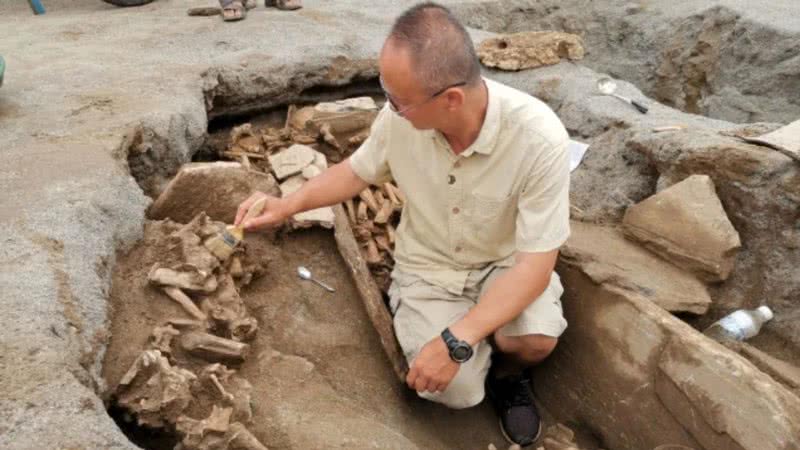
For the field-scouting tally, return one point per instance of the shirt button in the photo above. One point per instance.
(451, 179)
(458, 249)
(456, 210)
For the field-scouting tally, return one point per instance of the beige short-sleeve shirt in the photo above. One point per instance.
(507, 192)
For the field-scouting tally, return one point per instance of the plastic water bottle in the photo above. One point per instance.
(739, 325)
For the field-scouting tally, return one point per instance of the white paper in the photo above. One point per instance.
(576, 152)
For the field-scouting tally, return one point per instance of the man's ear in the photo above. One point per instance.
(455, 98)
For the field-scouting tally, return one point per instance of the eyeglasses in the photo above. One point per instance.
(393, 105)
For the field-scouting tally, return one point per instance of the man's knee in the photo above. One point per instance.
(531, 347)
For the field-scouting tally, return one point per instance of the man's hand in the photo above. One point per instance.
(432, 370)
(275, 212)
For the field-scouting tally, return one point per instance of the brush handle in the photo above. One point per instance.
(254, 211)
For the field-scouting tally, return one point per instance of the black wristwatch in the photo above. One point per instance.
(460, 351)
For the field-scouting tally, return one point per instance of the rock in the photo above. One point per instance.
(723, 400)
(531, 49)
(759, 187)
(785, 139)
(320, 161)
(291, 161)
(344, 106)
(311, 171)
(593, 198)
(559, 437)
(761, 190)
(608, 258)
(781, 371)
(321, 216)
(344, 116)
(642, 377)
(687, 225)
(216, 188)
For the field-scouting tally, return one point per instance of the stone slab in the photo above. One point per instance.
(608, 258)
(686, 224)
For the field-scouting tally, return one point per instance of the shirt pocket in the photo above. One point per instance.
(492, 212)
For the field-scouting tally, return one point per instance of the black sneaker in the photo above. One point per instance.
(513, 400)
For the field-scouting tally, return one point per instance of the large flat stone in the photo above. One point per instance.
(216, 188)
(643, 378)
(687, 225)
(292, 160)
(608, 258)
(323, 217)
(724, 401)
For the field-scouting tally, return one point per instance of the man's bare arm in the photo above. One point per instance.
(508, 296)
(335, 185)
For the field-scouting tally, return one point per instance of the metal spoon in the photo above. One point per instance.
(306, 275)
(606, 86)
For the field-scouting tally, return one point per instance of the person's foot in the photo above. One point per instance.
(286, 5)
(233, 10)
(513, 400)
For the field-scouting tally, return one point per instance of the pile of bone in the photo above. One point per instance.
(334, 128)
(311, 136)
(374, 216)
(188, 368)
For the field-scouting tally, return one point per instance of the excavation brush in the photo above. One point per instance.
(223, 244)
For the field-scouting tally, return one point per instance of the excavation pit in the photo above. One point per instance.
(311, 344)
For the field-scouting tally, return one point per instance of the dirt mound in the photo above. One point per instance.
(721, 59)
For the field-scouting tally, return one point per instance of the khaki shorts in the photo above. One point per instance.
(422, 310)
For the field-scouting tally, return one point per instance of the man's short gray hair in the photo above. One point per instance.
(442, 53)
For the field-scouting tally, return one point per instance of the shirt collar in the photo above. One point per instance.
(490, 128)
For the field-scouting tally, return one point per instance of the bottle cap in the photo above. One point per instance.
(766, 312)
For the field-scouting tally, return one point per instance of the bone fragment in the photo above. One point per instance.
(398, 193)
(235, 269)
(184, 300)
(367, 196)
(242, 439)
(385, 213)
(361, 215)
(390, 192)
(328, 136)
(383, 243)
(373, 255)
(185, 276)
(228, 397)
(214, 348)
(351, 210)
(185, 323)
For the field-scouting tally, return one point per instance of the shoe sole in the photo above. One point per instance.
(511, 441)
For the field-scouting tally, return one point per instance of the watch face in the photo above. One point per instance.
(462, 353)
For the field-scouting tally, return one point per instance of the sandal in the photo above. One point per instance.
(233, 10)
(285, 5)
